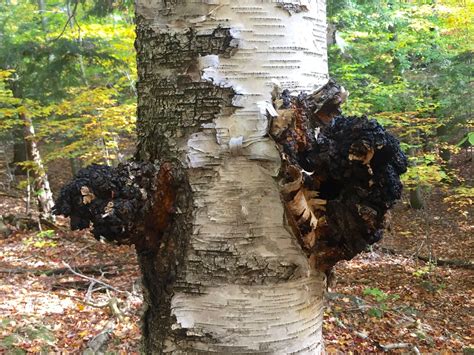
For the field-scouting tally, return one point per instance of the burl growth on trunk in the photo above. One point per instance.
(340, 174)
(340, 177)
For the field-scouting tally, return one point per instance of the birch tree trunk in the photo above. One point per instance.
(41, 186)
(229, 276)
(237, 220)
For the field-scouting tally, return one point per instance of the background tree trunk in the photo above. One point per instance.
(229, 275)
(41, 187)
(19, 151)
(42, 10)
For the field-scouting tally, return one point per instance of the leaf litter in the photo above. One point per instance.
(386, 299)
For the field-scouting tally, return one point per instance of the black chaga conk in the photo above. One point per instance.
(350, 169)
(117, 201)
(358, 165)
(357, 154)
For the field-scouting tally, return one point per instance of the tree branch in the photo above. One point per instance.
(73, 14)
(93, 279)
(456, 263)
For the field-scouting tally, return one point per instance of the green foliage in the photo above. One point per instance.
(467, 141)
(381, 298)
(39, 243)
(24, 334)
(48, 233)
(409, 64)
(71, 69)
(42, 239)
(423, 271)
(379, 295)
(428, 279)
(90, 116)
(461, 200)
(425, 169)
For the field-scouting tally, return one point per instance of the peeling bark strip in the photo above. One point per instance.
(341, 174)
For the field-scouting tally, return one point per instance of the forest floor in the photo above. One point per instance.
(64, 291)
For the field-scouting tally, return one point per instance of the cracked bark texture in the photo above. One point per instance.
(228, 275)
(241, 197)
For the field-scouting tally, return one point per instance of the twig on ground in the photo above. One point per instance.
(93, 279)
(12, 195)
(51, 225)
(60, 271)
(115, 309)
(112, 304)
(394, 346)
(439, 262)
(83, 248)
(359, 302)
(361, 335)
(417, 252)
(89, 292)
(99, 342)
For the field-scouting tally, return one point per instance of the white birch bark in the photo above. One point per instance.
(247, 286)
(42, 189)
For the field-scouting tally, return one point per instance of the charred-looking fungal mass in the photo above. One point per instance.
(340, 174)
(340, 177)
(130, 204)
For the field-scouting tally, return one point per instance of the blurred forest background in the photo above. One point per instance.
(68, 70)
(68, 99)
